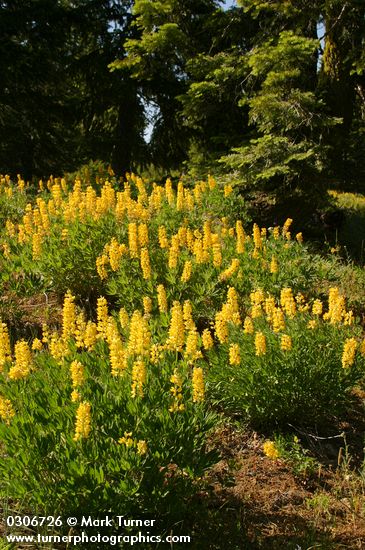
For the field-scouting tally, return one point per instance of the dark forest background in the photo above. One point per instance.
(271, 92)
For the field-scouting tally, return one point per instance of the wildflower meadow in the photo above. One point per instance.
(174, 313)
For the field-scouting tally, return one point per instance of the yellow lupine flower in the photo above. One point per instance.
(116, 252)
(123, 318)
(207, 339)
(36, 246)
(186, 274)
(180, 196)
(141, 447)
(257, 296)
(77, 373)
(139, 335)
(256, 235)
(45, 333)
(217, 253)
(174, 252)
(139, 375)
(336, 306)
(162, 237)
(349, 351)
(286, 226)
(75, 396)
(228, 189)
(143, 235)
(241, 237)
(147, 305)
(276, 233)
(117, 355)
(91, 335)
(192, 351)
(260, 343)
(211, 182)
(145, 264)
(317, 307)
(6, 410)
(58, 347)
(133, 240)
(169, 192)
(177, 328)
(10, 228)
(231, 269)
(198, 385)
(248, 327)
(182, 235)
(188, 315)
(270, 307)
(101, 263)
(299, 237)
(83, 421)
(348, 318)
(37, 345)
(176, 390)
(312, 324)
(234, 354)
(80, 330)
(273, 265)
(270, 450)
(68, 316)
(6, 250)
(278, 320)
(5, 351)
(221, 328)
(162, 299)
(102, 315)
(286, 343)
(23, 361)
(302, 304)
(201, 256)
(231, 307)
(126, 440)
(288, 302)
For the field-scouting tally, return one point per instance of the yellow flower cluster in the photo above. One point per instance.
(139, 375)
(234, 354)
(176, 390)
(129, 442)
(23, 361)
(176, 336)
(83, 421)
(207, 339)
(231, 270)
(286, 342)
(349, 352)
(162, 299)
(336, 306)
(270, 450)
(139, 336)
(68, 316)
(5, 351)
(288, 302)
(77, 374)
(260, 343)
(102, 316)
(6, 410)
(198, 385)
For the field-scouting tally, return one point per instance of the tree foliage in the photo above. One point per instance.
(251, 85)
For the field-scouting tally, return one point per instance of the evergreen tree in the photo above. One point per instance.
(289, 119)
